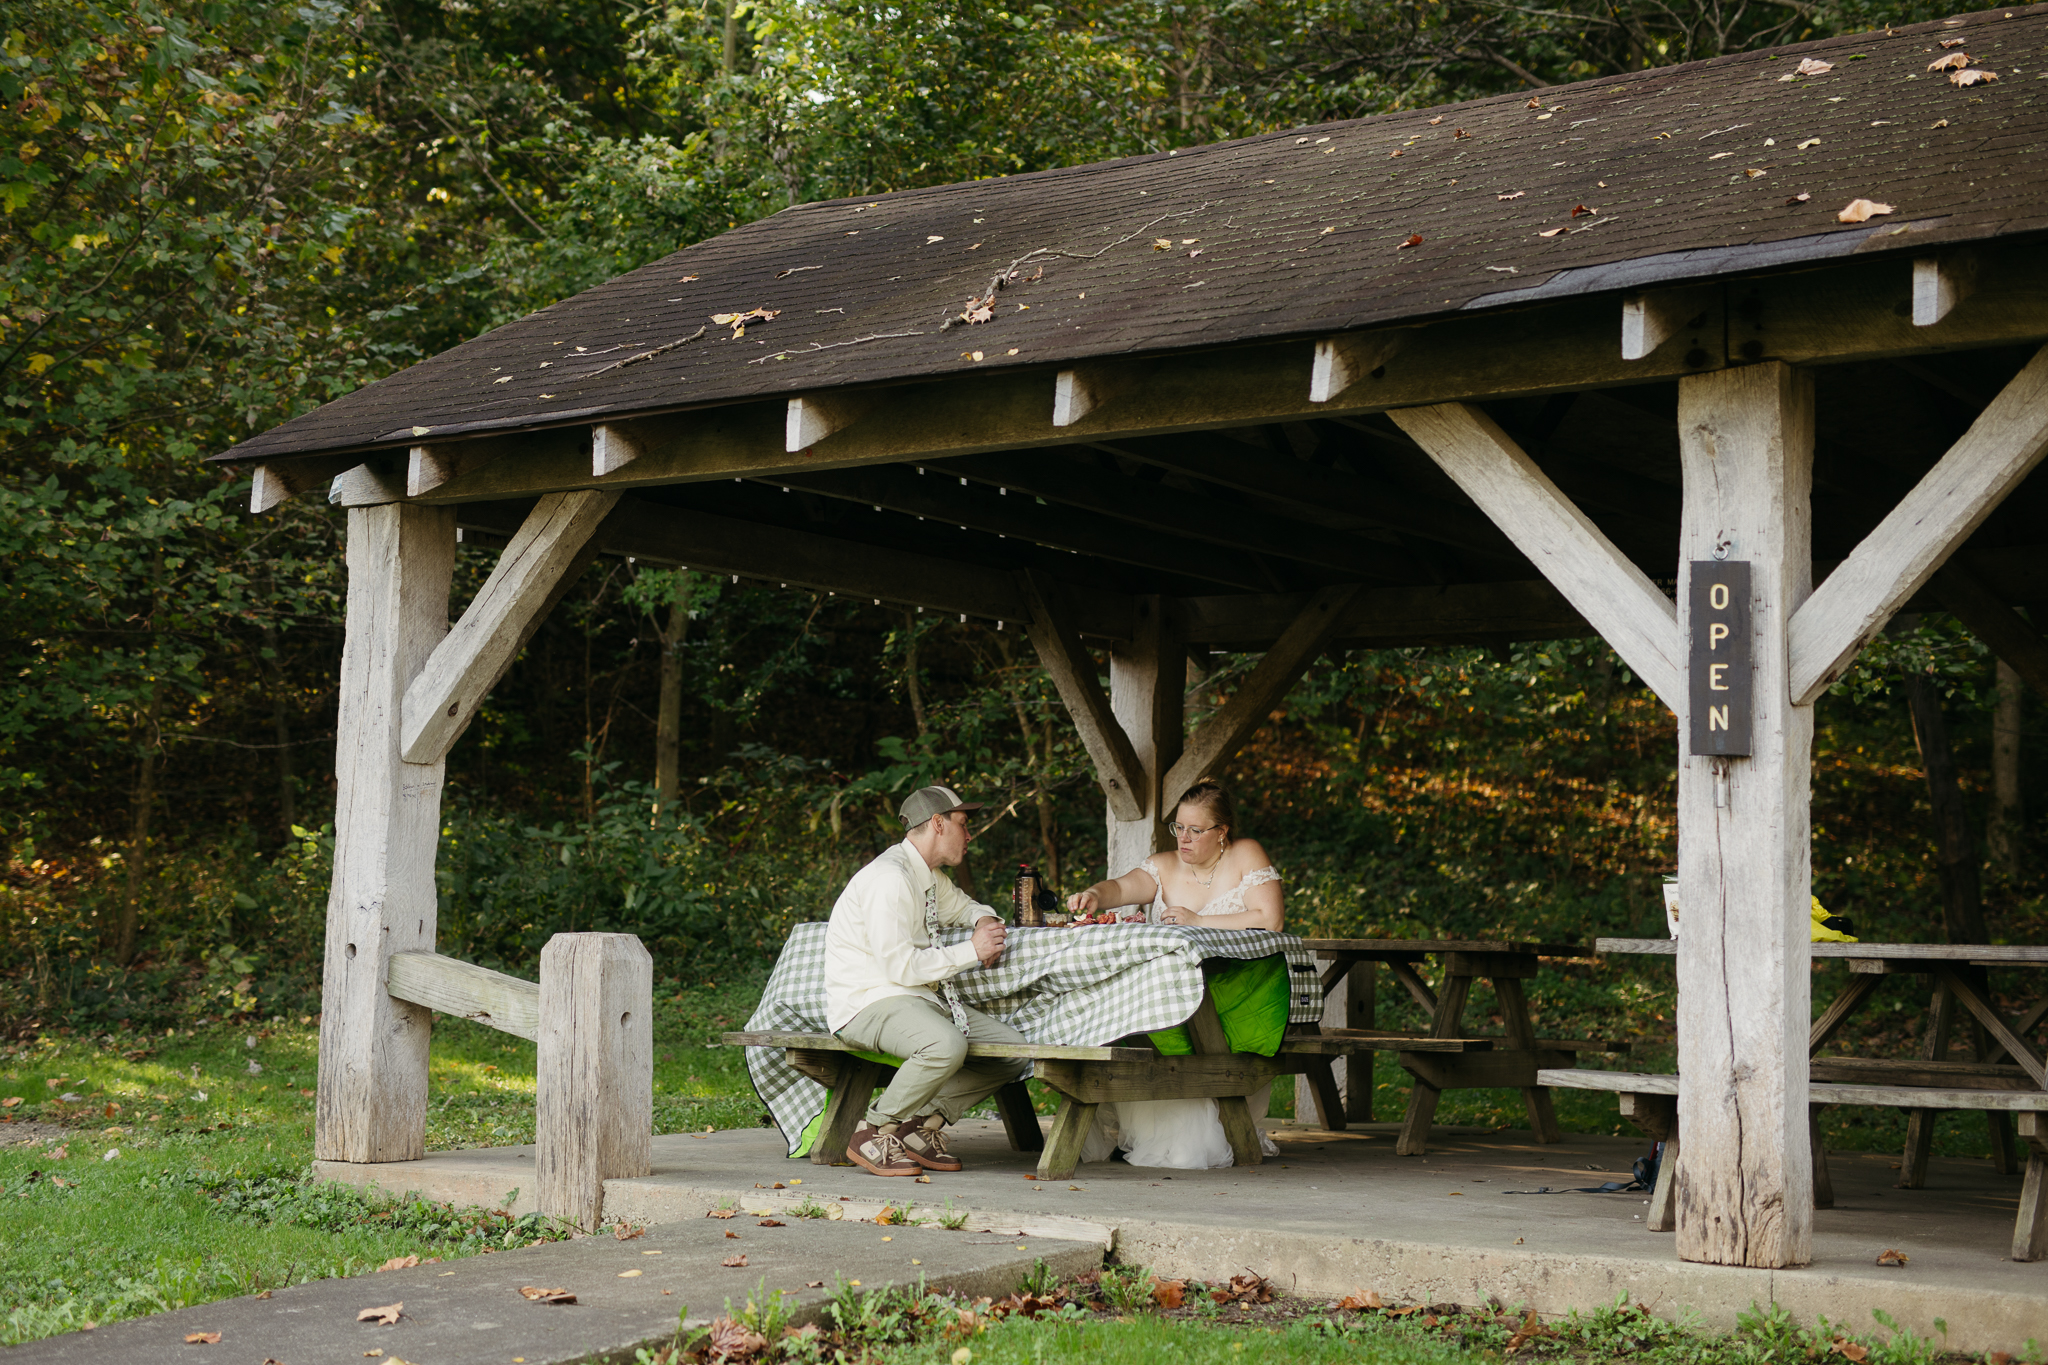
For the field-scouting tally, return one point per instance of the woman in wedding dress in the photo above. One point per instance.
(1218, 882)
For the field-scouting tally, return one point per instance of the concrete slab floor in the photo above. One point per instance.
(1339, 1211)
(628, 1294)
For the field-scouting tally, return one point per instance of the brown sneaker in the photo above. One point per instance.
(880, 1152)
(924, 1141)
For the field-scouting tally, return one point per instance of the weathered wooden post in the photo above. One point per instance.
(387, 822)
(1147, 681)
(594, 1076)
(1745, 1175)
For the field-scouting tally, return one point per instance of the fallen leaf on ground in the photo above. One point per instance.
(626, 1234)
(721, 1213)
(399, 1263)
(10, 1102)
(631, 1274)
(814, 1284)
(729, 1338)
(1852, 1350)
(1169, 1293)
(1953, 59)
(385, 1316)
(735, 1261)
(1862, 210)
(1414, 239)
(1358, 1303)
(201, 1338)
(264, 1295)
(771, 1223)
(538, 1295)
(1813, 66)
(887, 1216)
(925, 1179)
(734, 1235)
(1971, 77)
(1799, 198)
(1890, 1256)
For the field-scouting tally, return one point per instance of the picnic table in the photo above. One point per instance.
(1093, 1001)
(1446, 1055)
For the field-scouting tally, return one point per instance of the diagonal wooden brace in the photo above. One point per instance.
(1073, 673)
(465, 666)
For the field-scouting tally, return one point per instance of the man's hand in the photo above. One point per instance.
(1083, 902)
(988, 941)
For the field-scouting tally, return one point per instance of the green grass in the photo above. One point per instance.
(1148, 1340)
(205, 1196)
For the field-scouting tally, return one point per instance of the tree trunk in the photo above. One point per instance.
(668, 726)
(281, 730)
(910, 671)
(730, 58)
(1961, 895)
(143, 804)
(2008, 814)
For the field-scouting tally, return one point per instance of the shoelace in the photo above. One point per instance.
(892, 1148)
(934, 1140)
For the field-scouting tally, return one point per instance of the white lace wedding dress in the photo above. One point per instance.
(1179, 1134)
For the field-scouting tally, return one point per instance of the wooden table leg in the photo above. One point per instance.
(1657, 1117)
(1361, 989)
(1840, 1010)
(1823, 1182)
(1329, 1100)
(2030, 1230)
(1070, 1127)
(1514, 1010)
(1020, 1120)
(1941, 1014)
(851, 1094)
(1423, 1097)
(1205, 1031)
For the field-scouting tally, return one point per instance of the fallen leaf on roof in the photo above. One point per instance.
(929, 240)
(974, 355)
(202, 1338)
(1788, 76)
(547, 1295)
(1813, 66)
(1553, 232)
(1459, 133)
(1162, 244)
(1798, 198)
(1533, 103)
(1580, 210)
(797, 270)
(735, 1262)
(1753, 172)
(1414, 239)
(1718, 155)
(979, 310)
(1810, 142)
(1435, 121)
(1861, 210)
(1938, 123)
(1953, 59)
(1505, 269)
(738, 321)
(399, 1263)
(686, 279)
(1953, 42)
(1396, 152)
(1891, 1256)
(1196, 252)
(1503, 198)
(1971, 77)
(506, 380)
(386, 1316)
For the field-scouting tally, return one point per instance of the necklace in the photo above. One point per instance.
(1210, 880)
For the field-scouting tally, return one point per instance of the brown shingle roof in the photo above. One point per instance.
(1688, 170)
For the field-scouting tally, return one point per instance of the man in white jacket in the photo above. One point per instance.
(882, 963)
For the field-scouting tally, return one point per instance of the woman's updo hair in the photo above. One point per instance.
(1213, 797)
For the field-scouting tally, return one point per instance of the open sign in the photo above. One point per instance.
(1721, 680)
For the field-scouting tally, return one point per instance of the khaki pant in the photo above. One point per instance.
(937, 1075)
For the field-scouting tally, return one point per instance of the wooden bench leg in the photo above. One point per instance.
(1020, 1120)
(1422, 1100)
(1062, 1152)
(2030, 1229)
(1657, 1117)
(1241, 1129)
(1919, 1145)
(843, 1112)
(1823, 1182)
(1514, 1010)
(1329, 1100)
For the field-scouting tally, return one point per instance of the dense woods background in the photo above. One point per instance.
(219, 215)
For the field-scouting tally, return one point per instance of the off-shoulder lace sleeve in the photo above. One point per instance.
(1151, 869)
(1259, 876)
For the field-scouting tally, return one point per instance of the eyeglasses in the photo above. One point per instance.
(1176, 829)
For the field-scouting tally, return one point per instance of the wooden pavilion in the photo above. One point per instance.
(1518, 369)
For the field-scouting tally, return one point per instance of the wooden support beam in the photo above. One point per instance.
(372, 1099)
(593, 1085)
(814, 416)
(2009, 635)
(1214, 521)
(378, 480)
(1745, 1188)
(1893, 562)
(1223, 734)
(1462, 613)
(613, 446)
(1080, 391)
(444, 697)
(1344, 362)
(939, 495)
(280, 481)
(452, 986)
(1615, 596)
(428, 467)
(1073, 674)
(1940, 283)
(1652, 317)
(711, 543)
(1147, 681)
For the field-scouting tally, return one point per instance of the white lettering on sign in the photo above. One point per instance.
(1717, 717)
(1721, 678)
(1717, 597)
(1714, 679)
(1716, 633)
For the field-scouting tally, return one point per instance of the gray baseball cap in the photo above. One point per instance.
(926, 802)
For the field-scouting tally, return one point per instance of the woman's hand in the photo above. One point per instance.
(1176, 914)
(1084, 902)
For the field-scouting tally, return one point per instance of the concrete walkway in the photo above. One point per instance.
(628, 1294)
(1339, 1211)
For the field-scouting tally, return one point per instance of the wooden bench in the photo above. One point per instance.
(1651, 1103)
(1085, 1077)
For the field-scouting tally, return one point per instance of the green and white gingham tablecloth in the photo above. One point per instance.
(1071, 987)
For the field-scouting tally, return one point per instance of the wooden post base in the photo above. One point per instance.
(594, 1072)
